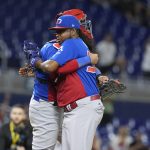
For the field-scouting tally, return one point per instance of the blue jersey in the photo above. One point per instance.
(79, 84)
(45, 90)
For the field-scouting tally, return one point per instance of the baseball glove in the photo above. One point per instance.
(111, 88)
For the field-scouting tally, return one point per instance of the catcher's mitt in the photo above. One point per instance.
(111, 88)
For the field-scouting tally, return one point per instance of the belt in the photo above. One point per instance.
(75, 104)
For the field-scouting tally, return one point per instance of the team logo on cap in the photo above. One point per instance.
(59, 21)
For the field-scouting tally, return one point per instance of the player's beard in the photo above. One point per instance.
(58, 39)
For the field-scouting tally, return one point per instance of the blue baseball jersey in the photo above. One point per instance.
(79, 84)
(45, 91)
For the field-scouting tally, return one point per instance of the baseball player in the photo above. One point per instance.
(82, 17)
(77, 92)
(41, 110)
(45, 117)
(87, 36)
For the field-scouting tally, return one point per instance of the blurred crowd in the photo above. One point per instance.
(114, 134)
(137, 11)
(111, 134)
(111, 61)
(15, 129)
(123, 140)
(126, 38)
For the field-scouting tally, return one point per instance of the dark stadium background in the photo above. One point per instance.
(30, 19)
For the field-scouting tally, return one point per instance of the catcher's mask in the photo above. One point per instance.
(85, 24)
(29, 47)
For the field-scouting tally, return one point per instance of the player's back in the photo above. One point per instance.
(43, 84)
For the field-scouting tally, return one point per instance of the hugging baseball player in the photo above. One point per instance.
(77, 92)
(67, 96)
(44, 116)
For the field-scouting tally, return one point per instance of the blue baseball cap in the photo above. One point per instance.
(65, 22)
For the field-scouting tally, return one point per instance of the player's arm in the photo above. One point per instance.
(75, 64)
(71, 66)
(47, 66)
(62, 56)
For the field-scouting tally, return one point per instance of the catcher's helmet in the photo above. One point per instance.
(79, 14)
(85, 25)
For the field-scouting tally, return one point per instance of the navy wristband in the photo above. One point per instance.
(34, 60)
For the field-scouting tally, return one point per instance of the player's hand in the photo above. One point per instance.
(94, 58)
(26, 71)
(117, 81)
(102, 79)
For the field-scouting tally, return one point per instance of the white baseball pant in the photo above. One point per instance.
(46, 121)
(80, 124)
